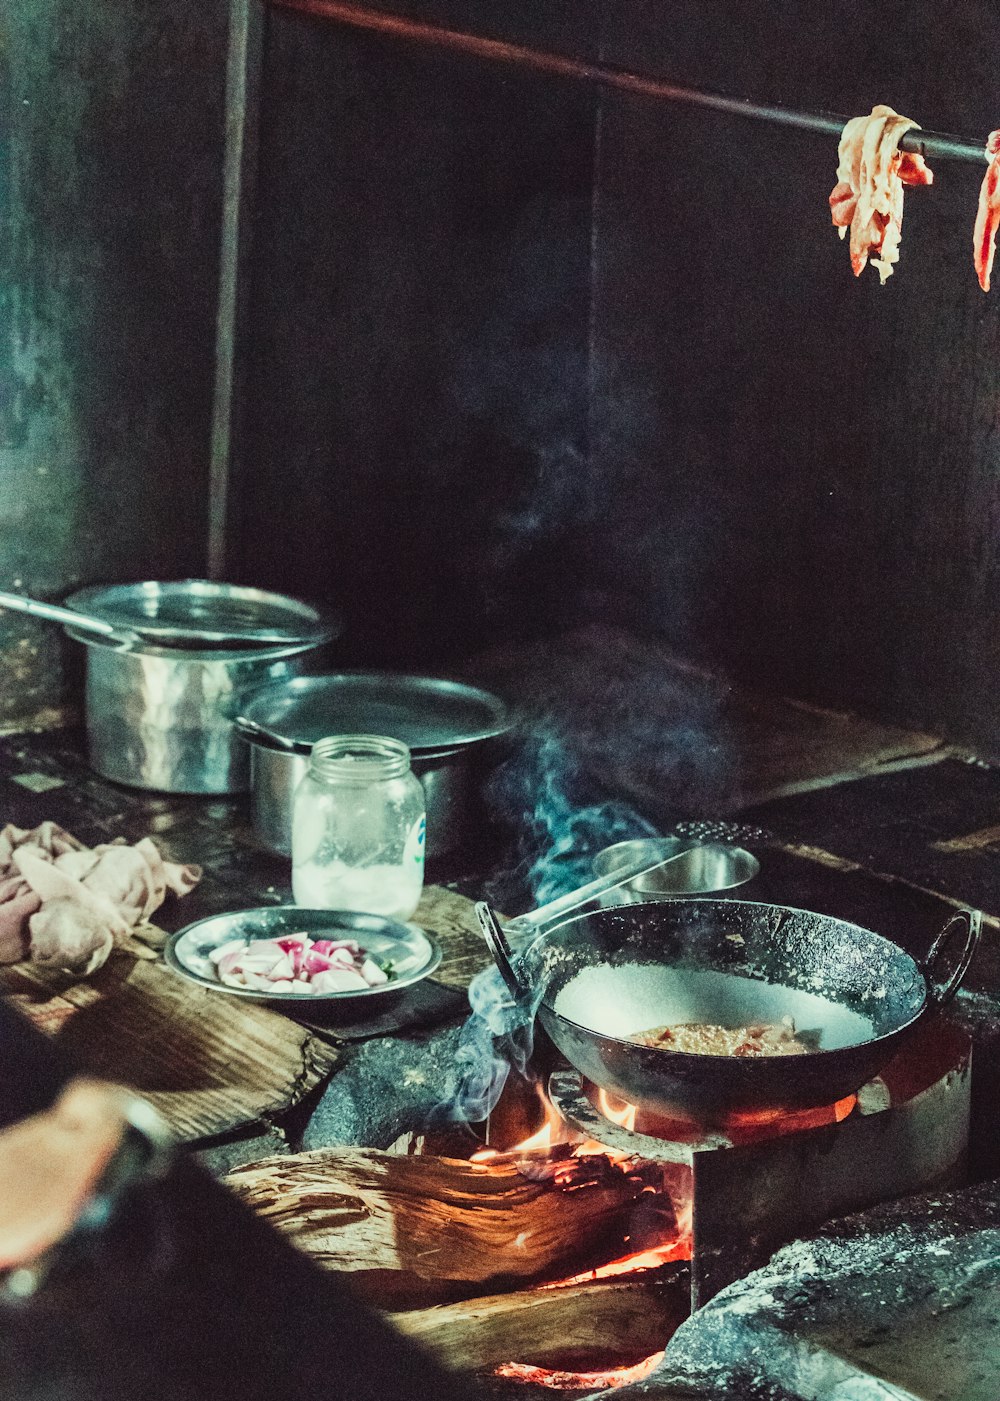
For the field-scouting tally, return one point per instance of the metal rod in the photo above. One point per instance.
(932, 144)
(239, 168)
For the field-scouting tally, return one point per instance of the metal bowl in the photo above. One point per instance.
(414, 956)
(700, 870)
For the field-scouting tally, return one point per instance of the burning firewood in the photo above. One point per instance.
(421, 1229)
(615, 1321)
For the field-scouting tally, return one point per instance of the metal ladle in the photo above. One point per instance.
(536, 919)
(249, 729)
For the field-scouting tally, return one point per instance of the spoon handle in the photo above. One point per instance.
(524, 924)
(55, 613)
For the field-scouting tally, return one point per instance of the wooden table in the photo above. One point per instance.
(209, 1063)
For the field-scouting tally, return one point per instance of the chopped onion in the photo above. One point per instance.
(297, 964)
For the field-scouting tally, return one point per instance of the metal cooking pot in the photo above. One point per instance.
(448, 726)
(161, 716)
(601, 977)
(447, 779)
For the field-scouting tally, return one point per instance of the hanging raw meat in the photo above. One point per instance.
(868, 196)
(988, 214)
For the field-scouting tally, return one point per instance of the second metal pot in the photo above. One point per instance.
(447, 778)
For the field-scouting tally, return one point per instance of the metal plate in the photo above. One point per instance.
(195, 612)
(414, 956)
(426, 713)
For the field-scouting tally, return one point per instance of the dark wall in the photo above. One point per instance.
(518, 351)
(110, 187)
(521, 351)
(418, 344)
(811, 467)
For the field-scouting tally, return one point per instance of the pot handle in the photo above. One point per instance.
(499, 947)
(256, 734)
(972, 921)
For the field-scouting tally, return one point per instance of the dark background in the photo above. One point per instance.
(517, 352)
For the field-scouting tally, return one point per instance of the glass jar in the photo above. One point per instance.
(358, 823)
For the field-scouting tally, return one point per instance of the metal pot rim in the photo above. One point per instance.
(207, 653)
(419, 756)
(494, 718)
(300, 748)
(207, 613)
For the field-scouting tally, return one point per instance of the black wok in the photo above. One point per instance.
(600, 977)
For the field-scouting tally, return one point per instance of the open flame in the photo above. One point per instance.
(578, 1381)
(617, 1111)
(551, 1132)
(745, 1127)
(554, 1132)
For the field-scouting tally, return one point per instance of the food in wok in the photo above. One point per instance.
(704, 1039)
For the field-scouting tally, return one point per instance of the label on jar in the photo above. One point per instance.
(414, 848)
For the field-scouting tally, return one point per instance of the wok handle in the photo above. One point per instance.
(972, 920)
(499, 947)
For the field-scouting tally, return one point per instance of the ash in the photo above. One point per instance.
(896, 1302)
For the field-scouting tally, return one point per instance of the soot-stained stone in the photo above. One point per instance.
(903, 1300)
(388, 1087)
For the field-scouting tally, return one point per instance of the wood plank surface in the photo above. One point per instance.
(209, 1063)
(450, 919)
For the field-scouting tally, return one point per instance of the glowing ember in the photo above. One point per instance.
(678, 1249)
(739, 1126)
(578, 1381)
(555, 1133)
(768, 1123)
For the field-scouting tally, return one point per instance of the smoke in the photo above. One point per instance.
(521, 368)
(562, 820)
(560, 814)
(497, 1037)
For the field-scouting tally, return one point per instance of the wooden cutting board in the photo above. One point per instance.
(450, 919)
(208, 1063)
